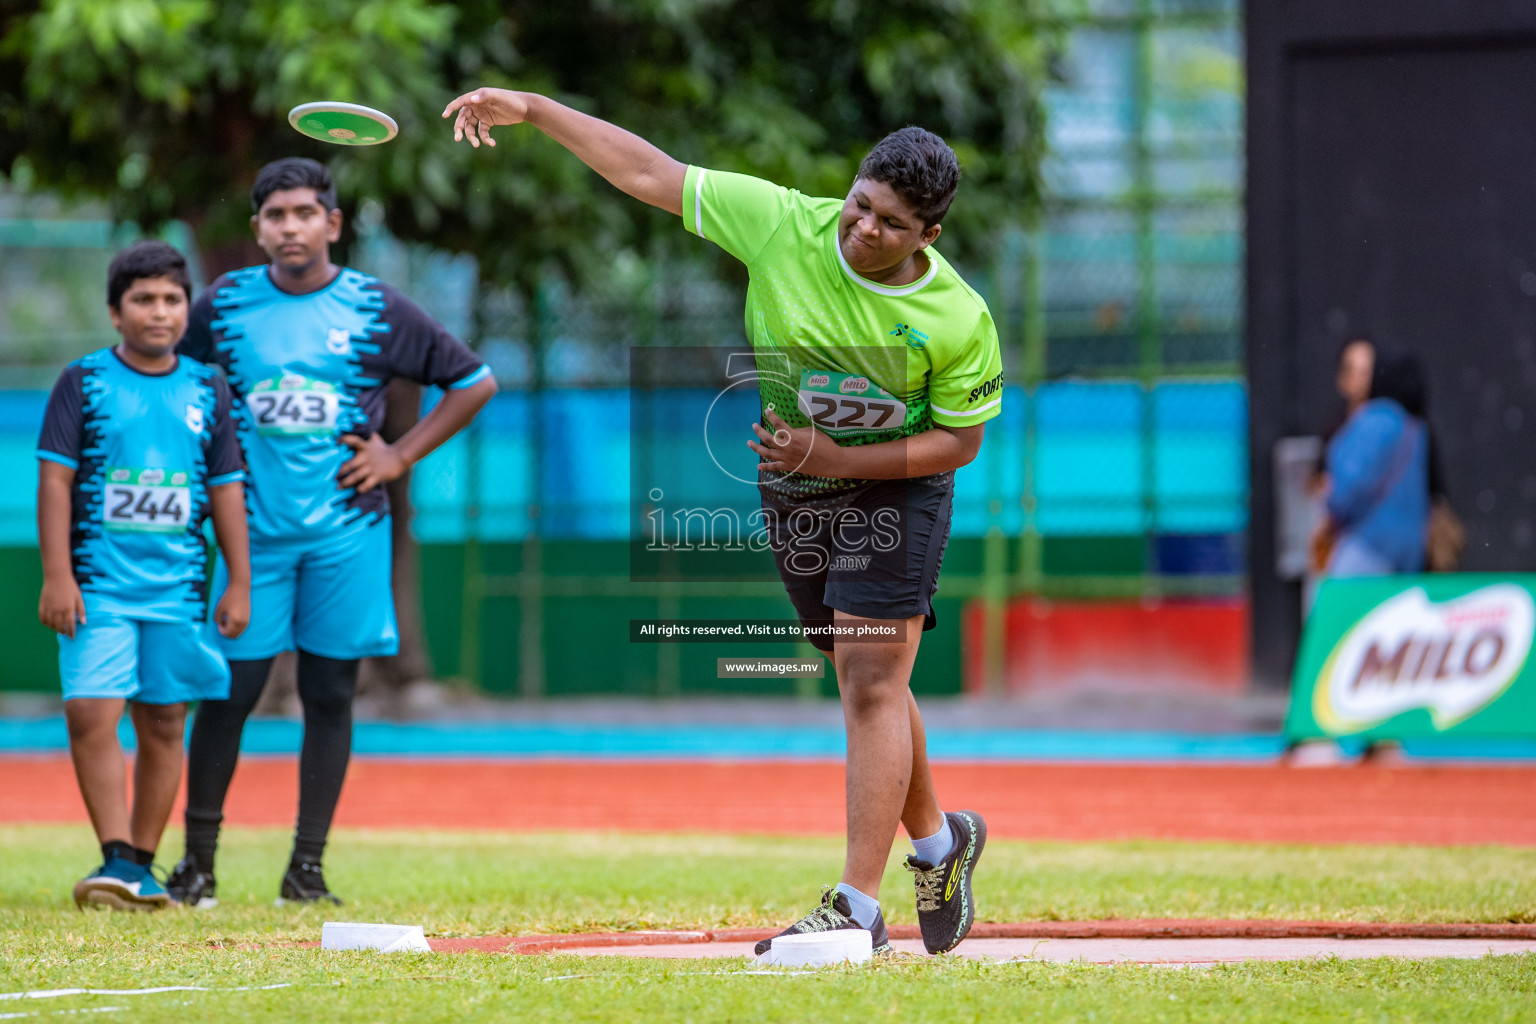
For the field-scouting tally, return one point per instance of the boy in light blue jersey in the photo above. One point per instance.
(308, 348)
(137, 449)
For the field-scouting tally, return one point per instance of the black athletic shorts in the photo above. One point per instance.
(872, 551)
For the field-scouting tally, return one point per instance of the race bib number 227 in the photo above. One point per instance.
(844, 405)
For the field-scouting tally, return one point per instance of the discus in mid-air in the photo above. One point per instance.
(343, 124)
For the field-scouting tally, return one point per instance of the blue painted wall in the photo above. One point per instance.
(1110, 458)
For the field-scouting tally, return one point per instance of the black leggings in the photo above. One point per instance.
(326, 689)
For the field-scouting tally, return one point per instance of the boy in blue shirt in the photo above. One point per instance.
(308, 348)
(137, 449)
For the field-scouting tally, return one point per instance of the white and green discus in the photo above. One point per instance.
(344, 124)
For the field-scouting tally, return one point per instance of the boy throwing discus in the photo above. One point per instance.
(138, 448)
(894, 369)
(308, 348)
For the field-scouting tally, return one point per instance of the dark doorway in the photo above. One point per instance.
(1393, 193)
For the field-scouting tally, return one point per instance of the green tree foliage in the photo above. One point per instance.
(168, 107)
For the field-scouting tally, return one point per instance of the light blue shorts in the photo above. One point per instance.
(148, 662)
(329, 596)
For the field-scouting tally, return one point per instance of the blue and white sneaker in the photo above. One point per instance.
(121, 884)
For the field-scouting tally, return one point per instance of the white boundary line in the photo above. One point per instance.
(55, 993)
(58, 1013)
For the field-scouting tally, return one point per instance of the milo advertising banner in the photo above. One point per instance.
(1404, 656)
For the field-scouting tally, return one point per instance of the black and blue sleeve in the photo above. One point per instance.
(64, 420)
(421, 349)
(226, 463)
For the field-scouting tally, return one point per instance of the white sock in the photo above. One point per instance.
(936, 847)
(865, 909)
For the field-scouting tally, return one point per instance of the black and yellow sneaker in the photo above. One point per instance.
(304, 883)
(834, 914)
(945, 908)
(192, 887)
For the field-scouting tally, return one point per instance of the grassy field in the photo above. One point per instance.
(458, 884)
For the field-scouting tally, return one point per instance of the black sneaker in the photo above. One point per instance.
(191, 887)
(945, 907)
(834, 914)
(305, 884)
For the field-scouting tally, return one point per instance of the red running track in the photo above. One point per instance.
(1246, 803)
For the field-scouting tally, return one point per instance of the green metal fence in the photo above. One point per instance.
(1131, 274)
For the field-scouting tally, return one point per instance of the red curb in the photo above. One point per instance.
(1215, 929)
(554, 943)
(1123, 929)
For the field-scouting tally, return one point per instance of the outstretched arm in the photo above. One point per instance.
(628, 162)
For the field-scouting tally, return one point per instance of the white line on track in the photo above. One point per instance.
(695, 974)
(56, 1013)
(54, 993)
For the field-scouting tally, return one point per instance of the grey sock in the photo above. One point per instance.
(865, 909)
(936, 847)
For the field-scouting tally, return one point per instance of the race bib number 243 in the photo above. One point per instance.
(294, 405)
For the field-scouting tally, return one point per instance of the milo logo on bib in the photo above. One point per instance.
(294, 405)
(146, 500)
(847, 405)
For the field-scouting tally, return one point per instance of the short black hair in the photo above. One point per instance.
(1399, 375)
(294, 172)
(145, 259)
(920, 167)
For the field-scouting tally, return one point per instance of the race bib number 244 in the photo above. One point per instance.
(146, 500)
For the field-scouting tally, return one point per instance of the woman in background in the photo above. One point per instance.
(1357, 364)
(1352, 379)
(1376, 492)
(1378, 475)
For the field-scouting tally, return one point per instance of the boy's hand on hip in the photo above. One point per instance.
(373, 463)
(233, 612)
(61, 605)
(803, 450)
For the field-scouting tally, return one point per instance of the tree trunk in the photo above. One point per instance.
(281, 695)
(386, 678)
(382, 682)
(222, 257)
